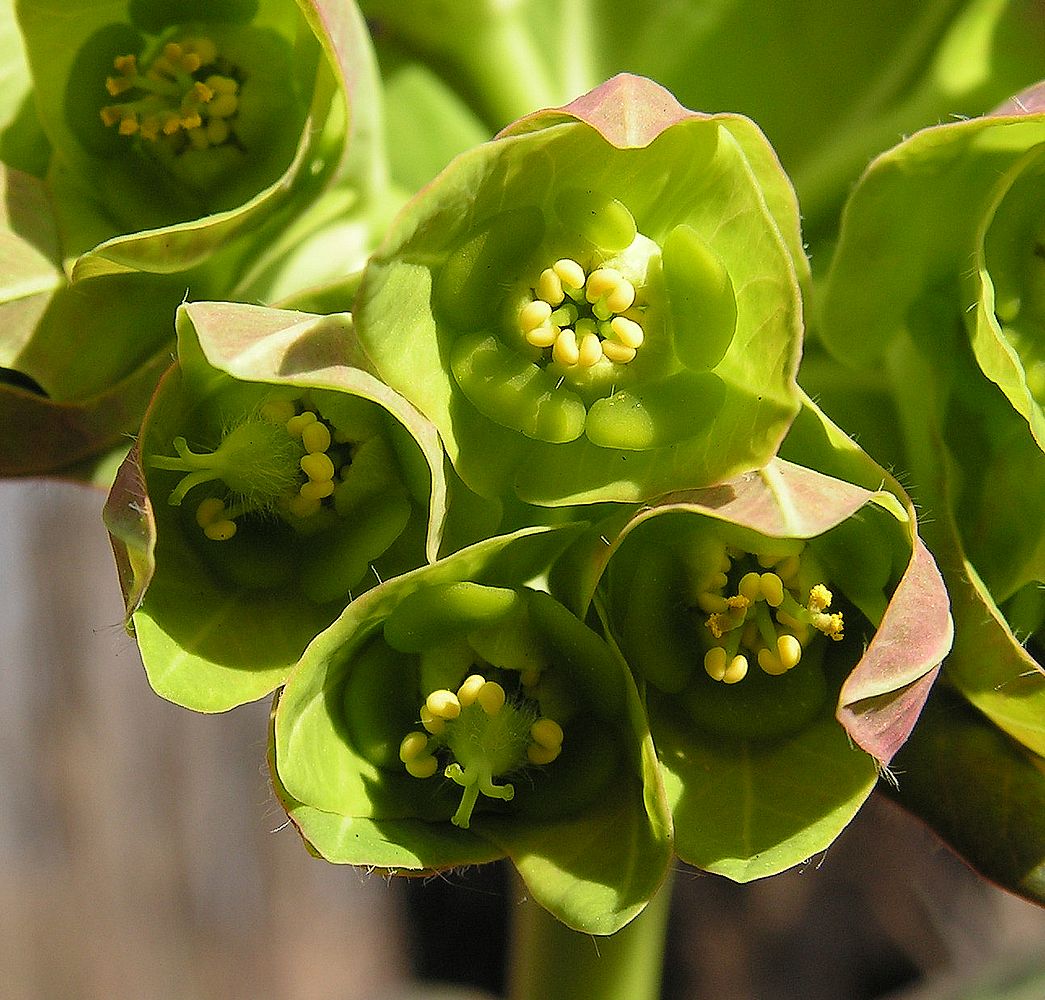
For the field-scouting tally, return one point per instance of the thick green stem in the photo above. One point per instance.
(552, 962)
(506, 70)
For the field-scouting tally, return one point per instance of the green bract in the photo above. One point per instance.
(451, 717)
(955, 340)
(174, 145)
(600, 304)
(842, 102)
(272, 482)
(786, 627)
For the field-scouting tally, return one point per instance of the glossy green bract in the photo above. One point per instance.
(272, 482)
(785, 627)
(171, 145)
(954, 340)
(387, 753)
(600, 304)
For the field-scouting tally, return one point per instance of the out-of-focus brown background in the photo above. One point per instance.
(142, 854)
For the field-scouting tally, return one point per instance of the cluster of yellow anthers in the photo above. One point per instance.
(488, 737)
(316, 464)
(745, 619)
(173, 99)
(583, 318)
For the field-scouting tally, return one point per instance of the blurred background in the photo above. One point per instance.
(142, 854)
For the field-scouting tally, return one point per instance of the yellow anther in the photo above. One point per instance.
(750, 587)
(172, 52)
(117, 85)
(127, 65)
(414, 745)
(738, 602)
(537, 754)
(191, 121)
(443, 704)
(317, 489)
(111, 115)
(736, 671)
(316, 437)
(220, 531)
(209, 511)
(533, 315)
(129, 124)
(491, 697)
(569, 272)
(789, 649)
(618, 353)
(819, 598)
(149, 127)
(627, 331)
(621, 297)
(277, 411)
(433, 723)
(469, 689)
(171, 124)
(590, 350)
(772, 589)
(543, 335)
(546, 733)
(713, 604)
(217, 131)
(303, 507)
(716, 660)
(787, 569)
(422, 767)
(601, 282)
(565, 350)
(223, 106)
(549, 287)
(221, 84)
(201, 92)
(831, 625)
(297, 424)
(717, 625)
(317, 467)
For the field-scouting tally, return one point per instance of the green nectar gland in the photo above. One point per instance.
(476, 734)
(281, 461)
(756, 609)
(186, 96)
(581, 319)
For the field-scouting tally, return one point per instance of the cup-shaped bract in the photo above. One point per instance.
(243, 114)
(272, 482)
(600, 304)
(452, 716)
(785, 627)
(955, 340)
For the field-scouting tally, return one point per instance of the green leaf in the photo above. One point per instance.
(981, 791)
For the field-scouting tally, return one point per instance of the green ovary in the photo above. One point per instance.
(476, 734)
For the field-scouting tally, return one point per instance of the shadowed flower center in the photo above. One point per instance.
(759, 607)
(186, 96)
(282, 461)
(476, 734)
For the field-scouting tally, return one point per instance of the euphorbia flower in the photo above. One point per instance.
(600, 304)
(951, 393)
(451, 716)
(272, 482)
(137, 206)
(786, 627)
